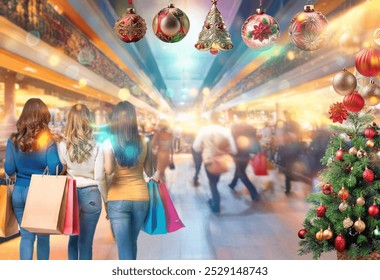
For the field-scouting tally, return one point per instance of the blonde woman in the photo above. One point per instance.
(83, 158)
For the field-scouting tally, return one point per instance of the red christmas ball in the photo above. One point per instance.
(368, 175)
(340, 243)
(367, 62)
(353, 102)
(373, 210)
(369, 132)
(339, 155)
(327, 188)
(321, 210)
(130, 27)
(301, 233)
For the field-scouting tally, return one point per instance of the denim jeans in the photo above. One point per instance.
(90, 207)
(240, 173)
(19, 196)
(127, 218)
(197, 157)
(213, 180)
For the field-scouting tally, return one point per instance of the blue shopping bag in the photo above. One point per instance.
(155, 222)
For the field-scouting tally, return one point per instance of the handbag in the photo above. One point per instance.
(45, 206)
(155, 221)
(71, 224)
(8, 221)
(259, 164)
(218, 165)
(173, 222)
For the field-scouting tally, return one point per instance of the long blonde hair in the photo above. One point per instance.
(78, 133)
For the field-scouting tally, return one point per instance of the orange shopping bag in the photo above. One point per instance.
(71, 224)
(8, 222)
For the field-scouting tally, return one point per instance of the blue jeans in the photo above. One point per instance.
(90, 206)
(27, 238)
(127, 218)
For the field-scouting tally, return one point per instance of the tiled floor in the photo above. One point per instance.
(266, 230)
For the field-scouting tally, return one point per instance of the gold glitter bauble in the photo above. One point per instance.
(359, 226)
(327, 234)
(347, 222)
(353, 151)
(319, 235)
(360, 201)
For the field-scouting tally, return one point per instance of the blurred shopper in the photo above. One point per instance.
(83, 158)
(29, 151)
(127, 155)
(247, 144)
(267, 139)
(162, 145)
(212, 142)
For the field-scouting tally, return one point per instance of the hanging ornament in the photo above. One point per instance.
(340, 243)
(347, 222)
(343, 193)
(343, 206)
(369, 132)
(321, 210)
(330, 160)
(302, 233)
(337, 112)
(359, 225)
(376, 232)
(328, 234)
(308, 29)
(353, 102)
(349, 42)
(373, 210)
(371, 93)
(376, 36)
(319, 235)
(327, 188)
(368, 175)
(260, 30)
(367, 62)
(360, 201)
(344, 82)
(353, 151)
(214, 35)
(171, 24)
(370, 143)
(130, 27)
(361, 153)
(339, 155)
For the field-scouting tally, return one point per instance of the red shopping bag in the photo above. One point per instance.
(71, 224)
(173, 222)
(259, 164)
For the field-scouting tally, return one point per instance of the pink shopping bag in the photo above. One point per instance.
(173, 222)
(71, 224)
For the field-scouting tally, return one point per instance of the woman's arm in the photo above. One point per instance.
(10, 164)
(99, 173)
(149, 167)
(52, 159)
(108, 157)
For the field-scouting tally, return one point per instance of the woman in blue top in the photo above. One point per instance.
(29, 151)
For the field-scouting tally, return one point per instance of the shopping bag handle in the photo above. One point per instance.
(47, 171)
(8, 180)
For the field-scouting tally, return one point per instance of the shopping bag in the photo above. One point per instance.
(173, 222)
(45, 205)
(219, 164)
(155, 222)
(259, 164)
(8, 221)
(71, 224)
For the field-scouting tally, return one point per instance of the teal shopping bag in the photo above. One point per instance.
(155, 222)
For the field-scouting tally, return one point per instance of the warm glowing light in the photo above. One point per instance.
(290, 55)
(193, 92)
(242, 142)
(367, 44)
(54, 60)
(30, 69)
(124, 93)
(43, 140)
(82, 82)
(206, 91)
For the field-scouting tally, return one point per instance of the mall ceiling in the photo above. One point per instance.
(186, 77)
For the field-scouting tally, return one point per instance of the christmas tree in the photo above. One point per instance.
(344, 213)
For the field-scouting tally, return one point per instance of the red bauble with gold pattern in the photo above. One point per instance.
(337, 112)
(339, 155)
(343, 194)
(373, 210)
(369, 132)
(353, 102)
(327, 188)
(368, 175)
(302, 233)
(367, 62)
(340, 243)
(321, 210)
(130, 27)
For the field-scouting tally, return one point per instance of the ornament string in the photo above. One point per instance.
(261, 3)
(309, 2)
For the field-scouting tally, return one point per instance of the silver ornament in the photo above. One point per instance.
(371, 93)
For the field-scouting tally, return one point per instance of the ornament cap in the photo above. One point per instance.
(309, 8)
(372, 81)
(260, 11)
(171, 5)
(131, 11)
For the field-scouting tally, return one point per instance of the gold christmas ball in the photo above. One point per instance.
(344, 82)
(359, 226)
(353, 151)
(360, 201)
(371, 93)
(343, 206)
(327, 234)
(370, 143)
(347, 222)
(319, 235)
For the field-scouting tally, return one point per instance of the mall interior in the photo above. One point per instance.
(69, 52)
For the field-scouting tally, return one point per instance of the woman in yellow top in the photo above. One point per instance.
(126, 157)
